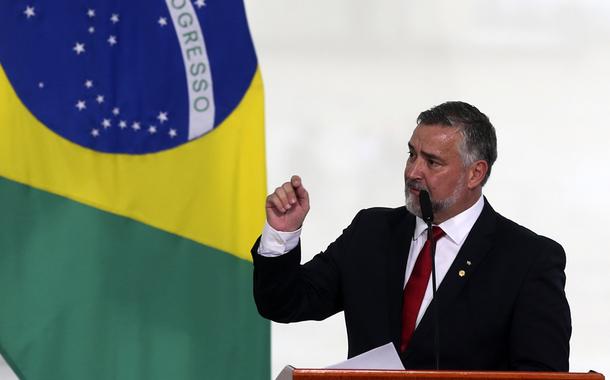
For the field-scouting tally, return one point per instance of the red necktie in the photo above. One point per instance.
(416, 288)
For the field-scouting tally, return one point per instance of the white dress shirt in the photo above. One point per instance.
(276, 243)
(447, 247)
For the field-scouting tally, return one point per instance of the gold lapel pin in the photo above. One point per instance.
(462, 273)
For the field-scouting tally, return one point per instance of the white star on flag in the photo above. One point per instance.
(200, 3)
(91, 30)
(29, 12)
(162, 21)
(88, 83)
(112, 40)
(81, 105)
(122, 124)
(99, 99)
(135, 126)
(162, 117)
(91, 12)
(106, 123)
(116, 111)
(114, 18)
(79, 48)
(172, 133)
(40, 84)
(152, 129)
(95, 132)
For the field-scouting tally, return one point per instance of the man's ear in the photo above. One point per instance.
(476, 174)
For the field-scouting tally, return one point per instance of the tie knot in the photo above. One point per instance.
(437, 233)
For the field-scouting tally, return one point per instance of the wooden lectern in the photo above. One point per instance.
(340, 374)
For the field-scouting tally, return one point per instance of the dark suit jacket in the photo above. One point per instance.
(509, 311)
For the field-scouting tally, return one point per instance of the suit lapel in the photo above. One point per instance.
(401, 234)
(473, 251)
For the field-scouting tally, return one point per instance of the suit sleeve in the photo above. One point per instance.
(286, 291)
(541, 327)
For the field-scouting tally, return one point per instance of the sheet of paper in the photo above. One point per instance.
(383, 357)
(286, 373)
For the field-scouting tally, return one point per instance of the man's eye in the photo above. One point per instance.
(432, 163)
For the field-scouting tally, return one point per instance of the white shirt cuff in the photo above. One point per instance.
(276, 243)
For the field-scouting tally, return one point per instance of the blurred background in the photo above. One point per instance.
(346, 79)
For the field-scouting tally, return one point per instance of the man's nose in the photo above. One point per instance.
(413, 170)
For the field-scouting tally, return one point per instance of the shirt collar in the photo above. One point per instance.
(456, 228)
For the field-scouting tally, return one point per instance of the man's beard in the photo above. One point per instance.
(412, 201)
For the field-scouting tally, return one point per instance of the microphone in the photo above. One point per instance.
(426, 210)
(426, 207)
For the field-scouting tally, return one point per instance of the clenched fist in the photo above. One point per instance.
(287, 206)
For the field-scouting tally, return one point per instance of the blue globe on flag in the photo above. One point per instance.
(130, 77)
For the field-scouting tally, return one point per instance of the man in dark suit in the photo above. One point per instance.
(500, 296)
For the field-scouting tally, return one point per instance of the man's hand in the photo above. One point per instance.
(287, 206)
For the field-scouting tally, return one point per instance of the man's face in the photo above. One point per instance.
(435, 164)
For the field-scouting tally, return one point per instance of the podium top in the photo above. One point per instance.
(338, 374)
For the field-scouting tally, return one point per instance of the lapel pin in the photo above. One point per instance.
(468, 262)
(462, 273)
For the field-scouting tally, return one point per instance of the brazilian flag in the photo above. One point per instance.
(132, 185)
